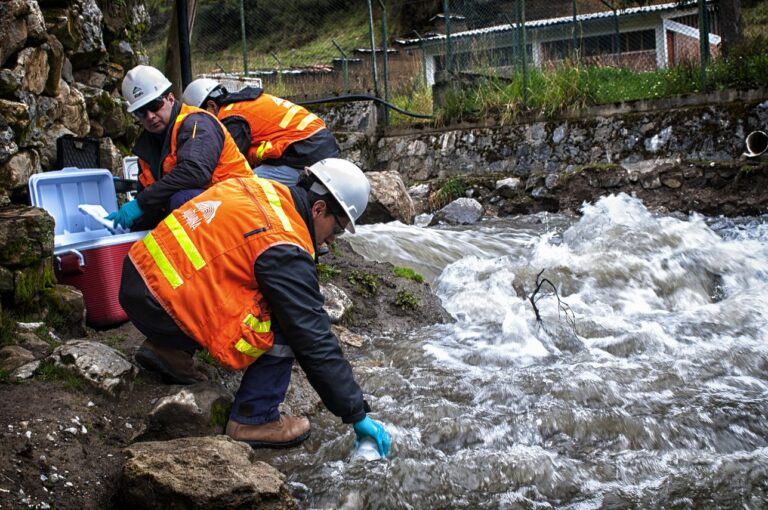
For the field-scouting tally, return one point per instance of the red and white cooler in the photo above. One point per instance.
(87, 255)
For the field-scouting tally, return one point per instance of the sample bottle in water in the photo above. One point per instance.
(366, 450)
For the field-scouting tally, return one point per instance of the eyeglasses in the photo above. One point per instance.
(153, 106)
(339, 228)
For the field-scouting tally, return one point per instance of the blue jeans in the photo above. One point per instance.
(262, 389)
(283, 174)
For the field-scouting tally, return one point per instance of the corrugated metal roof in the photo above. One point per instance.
(632, 11)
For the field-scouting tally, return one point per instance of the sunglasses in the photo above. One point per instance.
(339, 228)
(153, 106)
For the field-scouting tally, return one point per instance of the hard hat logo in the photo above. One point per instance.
(142, 85)
(347, 183)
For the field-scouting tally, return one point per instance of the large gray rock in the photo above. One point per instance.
(91, 49)
(26, 236)
(36, 32)
(389, 200)
(200, 473)
(74, 113)
(13, 357)
(49, 150)
(10, 82)
(56, 59)
(197, 410)
(32, 65)
(336, 302)
(17, 170)
(8, 145)
(14, 114)
(462, 211)
(102, 366)
(13, 27)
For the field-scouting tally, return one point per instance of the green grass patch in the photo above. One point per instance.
(365, 284)
(204, 356)
(405, 272)
(326, 272)
(406, 300)
(450, 190)
(50, 372)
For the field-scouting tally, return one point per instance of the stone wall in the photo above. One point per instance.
(61, 64)
(703, 127)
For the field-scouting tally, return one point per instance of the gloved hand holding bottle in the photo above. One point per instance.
(369, 428)
(128, 213)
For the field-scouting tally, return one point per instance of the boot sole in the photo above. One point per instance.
(150, 362)
(286, 444)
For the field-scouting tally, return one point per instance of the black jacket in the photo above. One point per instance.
(288, 280)
(196, 159)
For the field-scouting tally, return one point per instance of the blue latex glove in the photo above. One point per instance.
(370, 428)
(128, 213)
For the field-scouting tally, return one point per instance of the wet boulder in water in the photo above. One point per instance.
(389, 200)
(462, 211)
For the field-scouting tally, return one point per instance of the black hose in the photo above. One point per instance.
(364, 97)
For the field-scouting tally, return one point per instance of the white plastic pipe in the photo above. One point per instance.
(757, 143)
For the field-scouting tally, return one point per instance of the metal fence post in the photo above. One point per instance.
(704, 42)
(344, 65)
(244, 40)
(386, 58)
(423, 57)
(575, 32)
(523, 47)
(373, 50)
(448, 49)
(279, 70)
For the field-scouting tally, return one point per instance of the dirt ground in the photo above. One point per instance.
(61, 441)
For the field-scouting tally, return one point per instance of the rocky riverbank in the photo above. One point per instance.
(82, 427)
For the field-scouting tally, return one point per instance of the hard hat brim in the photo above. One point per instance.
(146, 100)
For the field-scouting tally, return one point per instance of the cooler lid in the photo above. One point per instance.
(60, 192)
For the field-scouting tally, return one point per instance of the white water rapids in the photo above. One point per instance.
(647, 388)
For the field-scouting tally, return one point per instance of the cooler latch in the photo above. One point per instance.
(69, 262)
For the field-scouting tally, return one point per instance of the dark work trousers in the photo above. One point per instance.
(264, 383)
(180, 197)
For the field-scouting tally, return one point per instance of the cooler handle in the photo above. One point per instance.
(71, 261)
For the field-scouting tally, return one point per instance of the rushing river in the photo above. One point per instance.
(645, 386)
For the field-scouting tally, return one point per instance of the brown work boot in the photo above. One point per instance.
(283, 433)
(173, 365)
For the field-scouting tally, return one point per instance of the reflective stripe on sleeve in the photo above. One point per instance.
(162, 261)
(248, 349)
(292, 111)
(306, 121)
(263, 147)
(256, 325)
(274, 201)
(189, 248)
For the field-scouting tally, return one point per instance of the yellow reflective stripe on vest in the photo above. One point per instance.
(274, 201)
(162, 261)
(304, 123)
(255, 324)
(187, 246)
(288, 117)
(263, 147)
(248, 349)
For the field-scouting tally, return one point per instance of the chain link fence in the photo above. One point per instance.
(398, 47)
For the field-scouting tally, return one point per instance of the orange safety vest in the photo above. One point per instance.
(275, 124)
(231, 161)
(198, 264)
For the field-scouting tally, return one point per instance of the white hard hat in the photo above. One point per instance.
(347, 183)
(198, 90)
(142, 85)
